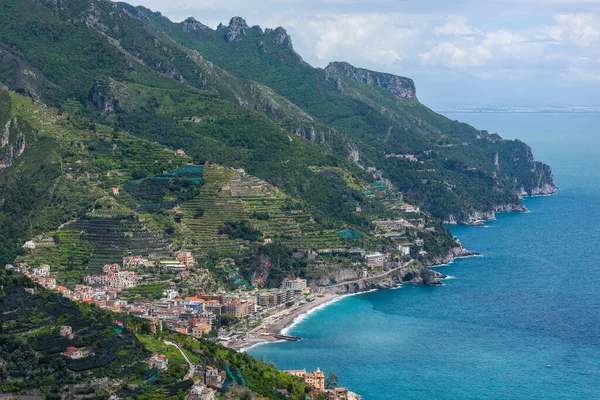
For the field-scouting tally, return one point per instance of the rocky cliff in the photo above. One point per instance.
(12, 143)
(476, 217)
(413, 273)
(398, 86)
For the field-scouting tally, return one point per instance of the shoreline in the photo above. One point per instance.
(283, 321)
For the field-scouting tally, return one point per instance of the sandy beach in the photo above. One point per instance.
(278, 322)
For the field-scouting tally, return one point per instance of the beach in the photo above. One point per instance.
(281, 321)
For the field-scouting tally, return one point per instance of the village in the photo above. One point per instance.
(194, 316)
(240, 314)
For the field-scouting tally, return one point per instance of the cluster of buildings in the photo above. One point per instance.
(40, 275)
(114, 278)
(207, 380)
(195, 315)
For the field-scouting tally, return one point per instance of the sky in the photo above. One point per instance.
(534, 53)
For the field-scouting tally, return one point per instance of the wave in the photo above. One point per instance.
(246, 349)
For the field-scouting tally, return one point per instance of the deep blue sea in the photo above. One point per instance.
(520, 322)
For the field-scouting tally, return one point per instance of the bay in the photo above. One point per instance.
(520, 322)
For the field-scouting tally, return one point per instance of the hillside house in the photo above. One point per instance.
(374, 259)
(214, 378)
(159, 361)
(315, 379)
(200, 329)
(73, 353)
(404, 250)
(186, 258)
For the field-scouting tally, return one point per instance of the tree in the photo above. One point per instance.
(331, 381)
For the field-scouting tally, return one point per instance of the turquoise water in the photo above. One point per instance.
(520, 322)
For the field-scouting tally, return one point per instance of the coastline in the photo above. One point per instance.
(283, 321)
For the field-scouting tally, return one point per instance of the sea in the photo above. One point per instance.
(521, 321)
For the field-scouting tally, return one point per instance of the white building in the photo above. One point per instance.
(173, 265)
(171, 294)
(404, 250)
(419, 242)
(374, 259)
(41, 271)
(30, 244)
(409, 208)
(296, 285)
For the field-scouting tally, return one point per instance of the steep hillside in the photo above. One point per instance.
(89, 194)
(383, 116)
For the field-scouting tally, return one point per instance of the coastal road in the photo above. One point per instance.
(192, 369)
(370, 277)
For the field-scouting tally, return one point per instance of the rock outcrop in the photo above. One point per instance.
(397, 85)
(11, 151)
(236, 29)
(191, 25)
(456, 252)
(412, 274)
(103, 98)
(476, 217)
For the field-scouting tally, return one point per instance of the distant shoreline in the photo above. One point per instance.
(524, 110)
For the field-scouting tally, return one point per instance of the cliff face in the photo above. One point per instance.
(476, 217)
(413, 274)
(542, 181)
(456, 252)
(398, 86)
(12, 143)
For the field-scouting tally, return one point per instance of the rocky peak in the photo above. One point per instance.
(397, 85)
(192, 24)
(280, 36)
(236, 29)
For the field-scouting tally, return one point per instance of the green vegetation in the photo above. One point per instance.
(240, 230)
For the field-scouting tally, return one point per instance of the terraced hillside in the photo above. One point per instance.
(232, 195)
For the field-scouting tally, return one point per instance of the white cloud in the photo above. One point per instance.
(579, 29)
(455, 25)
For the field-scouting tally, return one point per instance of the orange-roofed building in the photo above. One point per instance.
(73, 353)
(182, 331)
(200, 329)
(159, 361)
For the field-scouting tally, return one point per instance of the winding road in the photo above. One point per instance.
(192, 369)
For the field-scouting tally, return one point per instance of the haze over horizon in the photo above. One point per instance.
(502, 53)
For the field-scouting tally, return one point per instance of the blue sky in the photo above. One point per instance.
(465, 53)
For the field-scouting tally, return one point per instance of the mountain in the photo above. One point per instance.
(382, 115)
(236, 96)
